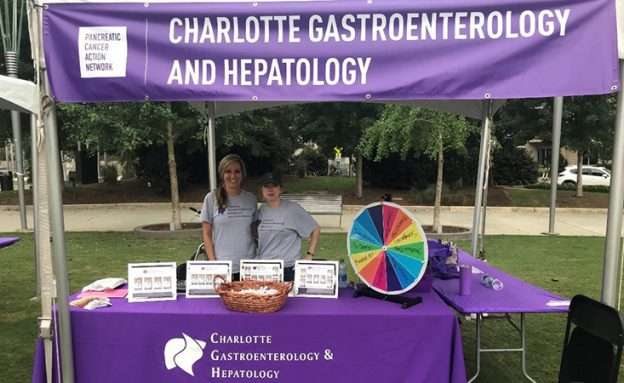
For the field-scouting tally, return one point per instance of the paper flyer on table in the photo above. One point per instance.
(262, 270)
(151, 281)
(316, 279)
(200, 277)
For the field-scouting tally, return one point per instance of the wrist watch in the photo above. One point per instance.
(310, 253)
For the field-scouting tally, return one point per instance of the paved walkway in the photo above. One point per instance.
(500, 220)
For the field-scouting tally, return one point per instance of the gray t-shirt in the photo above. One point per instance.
(231, 229)
(281, 229)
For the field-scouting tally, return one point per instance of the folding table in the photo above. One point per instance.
(517, 297)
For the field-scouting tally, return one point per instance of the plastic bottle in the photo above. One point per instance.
(492, 283)
(343, 281)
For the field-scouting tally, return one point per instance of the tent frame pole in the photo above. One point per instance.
(484, 204)
(55, 201)
(34, 174)
(212, 155)
(64, 337)
(554, 161)
(485, 137)
(613, 240)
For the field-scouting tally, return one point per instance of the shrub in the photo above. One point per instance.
(396, 173)
(593, 189)
(315, 161)
(109, 174)
(513, 166)
(418, 171)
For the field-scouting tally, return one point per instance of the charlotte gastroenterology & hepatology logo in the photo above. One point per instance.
(256, 364)
(183, 353)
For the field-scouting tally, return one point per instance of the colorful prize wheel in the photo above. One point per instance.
(387, 248)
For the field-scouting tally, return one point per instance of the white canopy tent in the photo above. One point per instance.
(24, 96)
(475, 108)
(19, 95)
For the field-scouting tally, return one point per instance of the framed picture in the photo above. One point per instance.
(151, 282)
(200, 277)
(316, 279)
(262, 270)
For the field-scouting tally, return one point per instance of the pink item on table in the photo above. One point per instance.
(116, 293)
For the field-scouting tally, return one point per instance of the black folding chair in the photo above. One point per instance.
(592, 347)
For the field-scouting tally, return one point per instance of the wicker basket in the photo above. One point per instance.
(253, 303)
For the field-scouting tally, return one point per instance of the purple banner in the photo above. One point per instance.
(330, 50)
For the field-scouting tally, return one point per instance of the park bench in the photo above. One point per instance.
(318, 204)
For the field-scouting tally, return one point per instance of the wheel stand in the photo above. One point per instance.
(405, 302)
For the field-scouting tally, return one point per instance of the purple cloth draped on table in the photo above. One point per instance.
(517, 296)
(38, 370)
(357, 340)
(8, 241)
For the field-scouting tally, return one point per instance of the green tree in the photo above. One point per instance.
(264, 138)
(334, 124)
(587, 123)
(521, 120)
(404, 129)
(124, 127)
(341, 125)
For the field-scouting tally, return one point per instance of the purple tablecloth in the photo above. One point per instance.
(344, 340)
(8, 241)
(517, 296)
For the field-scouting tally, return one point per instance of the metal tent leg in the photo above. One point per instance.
(554, 161)
(613, 242)
(485, 137)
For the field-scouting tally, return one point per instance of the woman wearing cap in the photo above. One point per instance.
(227, 215)
(282, 226)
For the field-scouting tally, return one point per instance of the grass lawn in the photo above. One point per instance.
(564, 265)
(565, 198)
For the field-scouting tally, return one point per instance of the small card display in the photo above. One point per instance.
(151, 281)
(317, 279)
(200, 277)
(262, 270)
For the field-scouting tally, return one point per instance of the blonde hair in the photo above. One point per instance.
(225, 162)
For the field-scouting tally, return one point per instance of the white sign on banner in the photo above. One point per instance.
(151, 282)
(200, 277)
(103, 51)
(317, 279)
(262, 270)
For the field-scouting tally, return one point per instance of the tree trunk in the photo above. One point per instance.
(99, 168)
(176, 221)
(78, 165)
(359, 175)
(350, 164)
(579, 173)
(438, 192)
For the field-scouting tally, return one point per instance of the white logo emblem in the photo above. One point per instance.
(183, 353)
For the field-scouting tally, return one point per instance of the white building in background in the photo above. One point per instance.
(339, 167)
(540, 152)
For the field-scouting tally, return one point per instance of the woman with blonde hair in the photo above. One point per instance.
(227, 215)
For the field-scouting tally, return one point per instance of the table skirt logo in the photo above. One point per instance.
(103, 51)
(183, 353)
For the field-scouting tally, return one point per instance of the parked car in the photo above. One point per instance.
(592, 176)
